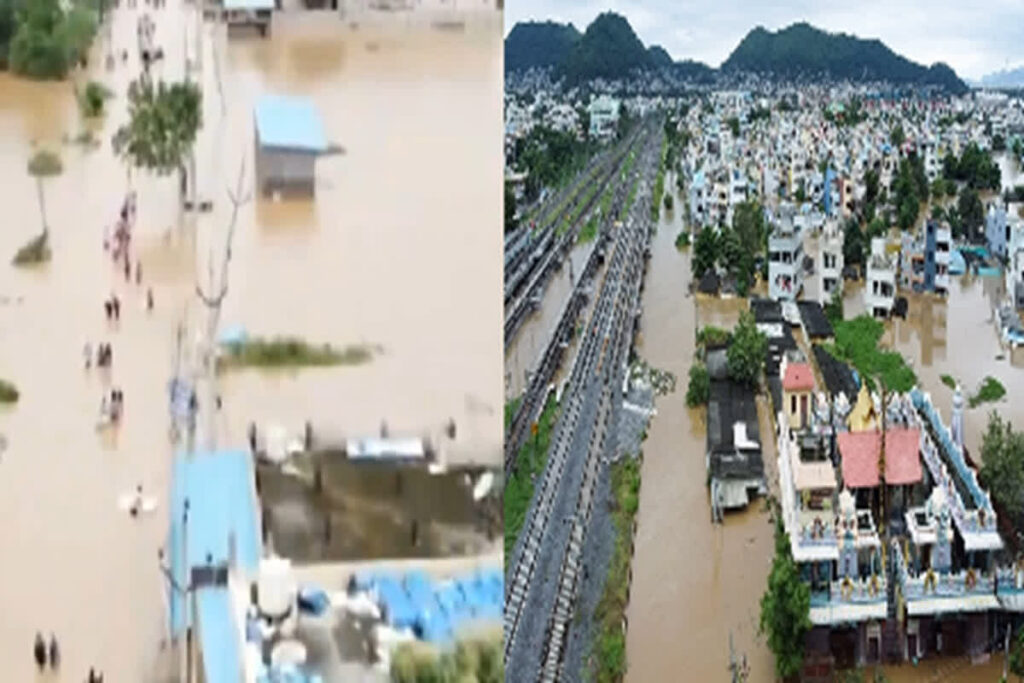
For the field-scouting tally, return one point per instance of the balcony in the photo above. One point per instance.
(930, 592)
(850, 601)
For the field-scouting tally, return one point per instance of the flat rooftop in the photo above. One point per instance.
(287, 122)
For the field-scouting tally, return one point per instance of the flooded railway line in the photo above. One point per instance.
(543, 572)
(553, 249)
(551, 358)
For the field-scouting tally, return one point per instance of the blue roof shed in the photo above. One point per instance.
(222, 499)
(291, 123)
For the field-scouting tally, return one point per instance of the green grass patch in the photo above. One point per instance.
(285, 352)
(606, 203)
(991, 391)
(589, 231)
(533, 455)
(682, 240)
(631, 197)
(36, 250)
(628, 166)
(8, 392)
(857, 344)
(477, 659)
(659, 182)
(948, 381)
(608, 650)
(511, 407)
(710, 335)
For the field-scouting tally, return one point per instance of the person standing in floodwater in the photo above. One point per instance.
(138, 272)
(149, 299)
(87, 353)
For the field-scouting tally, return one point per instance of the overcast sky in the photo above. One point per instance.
(974, 42)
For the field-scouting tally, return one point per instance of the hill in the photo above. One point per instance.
(608, 49)
(539, 44)
(802, 50)
(1008, 78)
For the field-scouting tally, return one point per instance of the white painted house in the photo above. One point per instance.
(880, 290)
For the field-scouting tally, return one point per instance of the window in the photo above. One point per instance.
(792, 404)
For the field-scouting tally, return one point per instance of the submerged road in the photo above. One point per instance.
(543, 570)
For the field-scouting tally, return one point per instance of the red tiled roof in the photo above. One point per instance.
(859, 451)
(798, 377)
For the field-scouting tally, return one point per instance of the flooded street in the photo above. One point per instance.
(694, 583)
(384, 256)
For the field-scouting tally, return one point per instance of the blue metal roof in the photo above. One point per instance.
(219, 488)
(218, 637)
(290, 123)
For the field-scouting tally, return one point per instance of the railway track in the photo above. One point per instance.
(543, 573)
(535, 269)
(551, 357)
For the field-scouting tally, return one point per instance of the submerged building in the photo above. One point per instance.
(898, 577)
(289, 138)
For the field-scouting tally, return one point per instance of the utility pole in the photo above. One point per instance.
(213, 298)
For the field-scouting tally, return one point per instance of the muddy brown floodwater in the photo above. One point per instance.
(695, 583)
(393, 252)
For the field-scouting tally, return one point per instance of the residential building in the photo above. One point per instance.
(604, 116)
(830, 262)
(880, 289)
(924, 260)
(1014, 273)
(997, 229)
(797, 393)
(785, 259)
(733, 459)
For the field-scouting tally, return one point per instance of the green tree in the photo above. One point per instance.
(734, 126)
(746, 352)
(785, 608)
(48, 40)
(834, 308)
(870, 185)
(162, 127)
(1018, 149)
(897, 137)
(699, 390)
(8, 27)
(44, 164)
(705, 251)
(510, 207)
(730, 251)
(1017, 655)
(748, 224)
(1002, 469)
(998, 143)
(854, 243)
(37, 49)
(971, 212)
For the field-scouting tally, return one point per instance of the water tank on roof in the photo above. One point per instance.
(276, 586)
